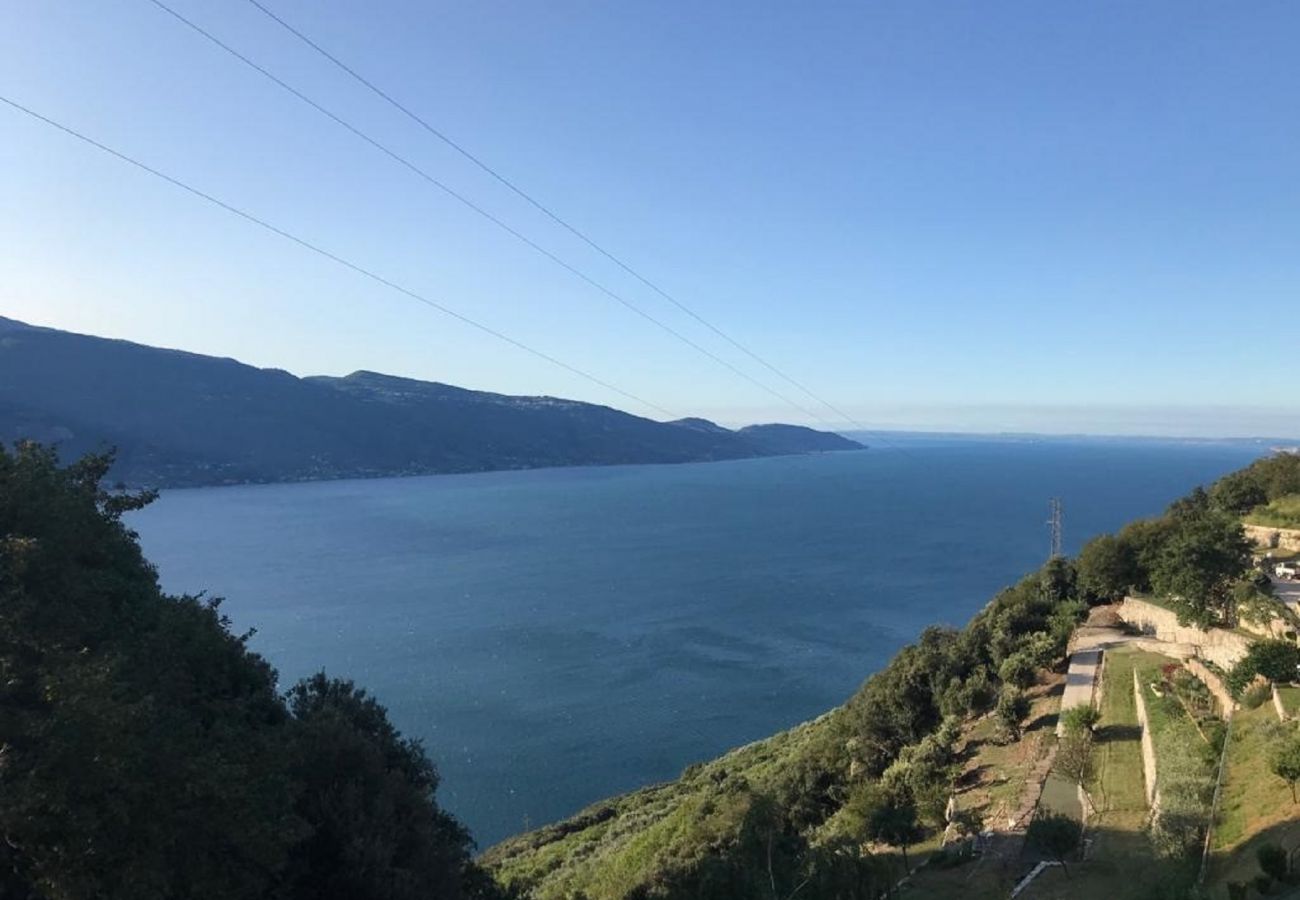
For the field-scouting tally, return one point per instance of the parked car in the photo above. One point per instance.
(1286, 570)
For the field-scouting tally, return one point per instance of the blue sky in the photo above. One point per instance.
(1078, 217)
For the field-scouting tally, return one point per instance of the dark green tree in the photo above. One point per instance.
(142, 739)
(1056, 579)
(1275, 660)
(887, 815)
(369, 796)
(147, 754)
(1201, 558)
(1107, 569)
(1238, 493)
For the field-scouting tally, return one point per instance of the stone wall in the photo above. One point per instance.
(1211, 680)
(1148, 747)
(1276, 627)
(1266, 536)
(1223, 648)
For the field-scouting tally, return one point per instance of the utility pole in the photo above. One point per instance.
(1054, 524)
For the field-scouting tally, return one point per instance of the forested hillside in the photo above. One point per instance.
(148, 755)
(184, 419)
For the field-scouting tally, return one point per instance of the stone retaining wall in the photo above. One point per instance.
(1274, 628)
(1223, 648)
(1211, 680)
(1267, 536)
(1148, 747)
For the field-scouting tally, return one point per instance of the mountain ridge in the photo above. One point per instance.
(183, 419)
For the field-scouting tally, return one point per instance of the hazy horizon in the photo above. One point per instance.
(1190, 423)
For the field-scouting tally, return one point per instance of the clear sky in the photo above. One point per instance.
(1031, 216)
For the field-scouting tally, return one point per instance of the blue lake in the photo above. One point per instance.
(561, 635)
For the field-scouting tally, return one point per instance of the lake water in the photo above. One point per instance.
(561, 635)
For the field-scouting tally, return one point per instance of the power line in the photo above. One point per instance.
(406, 163)
(548, 212)
(274, 229)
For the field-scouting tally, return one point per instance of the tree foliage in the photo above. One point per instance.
(1275, 660)
(1108, 568)
(883, 813)
(1261, 482)
(1284, 762)
(146, 751)
(1202, 556)
(1012, 708)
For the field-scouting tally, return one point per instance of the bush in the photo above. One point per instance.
(1012, 708)
(1256, 696)
(1080, 718)
(1018, 669)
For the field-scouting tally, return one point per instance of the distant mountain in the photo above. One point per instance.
(185, 419)
(780, 440)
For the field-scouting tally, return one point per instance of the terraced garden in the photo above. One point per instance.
(1255, 806)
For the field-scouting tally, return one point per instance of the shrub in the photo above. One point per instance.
(1080, 718)
(1256, 695)
(1018, 669)
(1012, 708)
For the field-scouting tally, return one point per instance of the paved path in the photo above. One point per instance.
(1086, 646)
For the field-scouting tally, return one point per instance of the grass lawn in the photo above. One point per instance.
(1256, 805)
(1289, 694)
(1118, 789)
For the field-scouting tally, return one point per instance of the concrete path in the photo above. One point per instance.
(1080, 682)
(1086, 646)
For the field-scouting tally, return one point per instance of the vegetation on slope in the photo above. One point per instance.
(1283, 512)
(146, 753)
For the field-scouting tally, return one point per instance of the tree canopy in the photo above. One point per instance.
(147, 753)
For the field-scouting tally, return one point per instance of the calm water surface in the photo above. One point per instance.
(558, 636)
